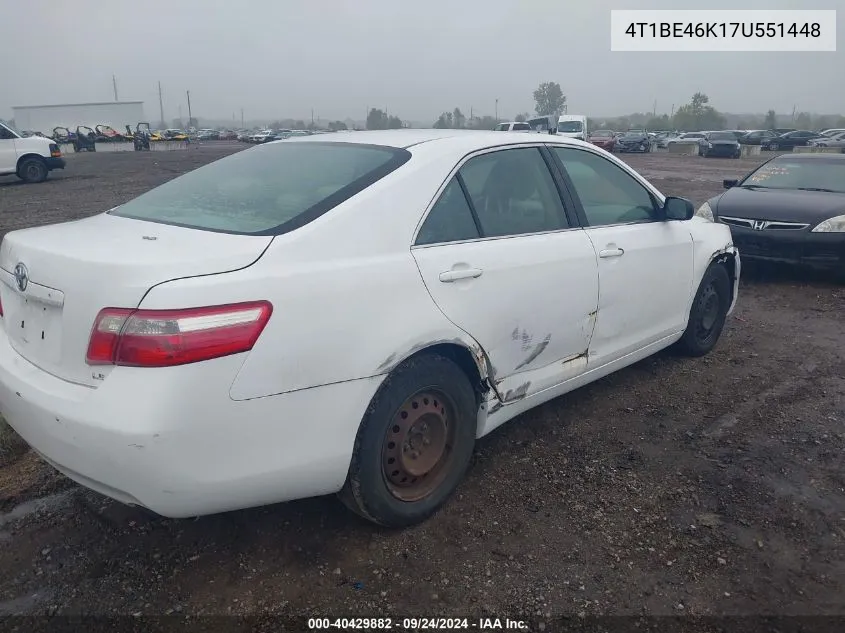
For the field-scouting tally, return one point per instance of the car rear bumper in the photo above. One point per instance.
(173, 441)
(55, 162)
(818, 250)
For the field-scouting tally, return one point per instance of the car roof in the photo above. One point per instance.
(434, 141)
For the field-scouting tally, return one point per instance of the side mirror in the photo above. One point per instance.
(730, 183)
(678, 209)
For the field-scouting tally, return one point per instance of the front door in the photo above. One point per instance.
(645, 264)
(503, 263)
(8, 155)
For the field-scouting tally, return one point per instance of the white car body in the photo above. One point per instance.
(578, 123)
(15, 150)
(352, 298)
(514, 126)
(835, 139)
(261, 136)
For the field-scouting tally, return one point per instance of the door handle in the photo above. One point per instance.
(454, 275)
(611, 252)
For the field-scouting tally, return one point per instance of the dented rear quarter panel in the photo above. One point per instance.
(348, 300)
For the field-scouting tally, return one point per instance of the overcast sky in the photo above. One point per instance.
(281, 58)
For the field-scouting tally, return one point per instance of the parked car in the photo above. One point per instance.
(419, 234)
(663, 139)
(261, 137)
(687, 137)
(513, 126)
(31, 159)
(634, 141)
(831, 132)
(757, 137)
(790, 209)
(798, 138)
(606, 139)
(837, 140)
(173, 134)
(208, 135)
(723, 144)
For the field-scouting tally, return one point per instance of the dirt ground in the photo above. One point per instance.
(676, 486)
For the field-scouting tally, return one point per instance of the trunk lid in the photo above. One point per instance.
(75, 269)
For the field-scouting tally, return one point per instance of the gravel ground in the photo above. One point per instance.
(676, 486)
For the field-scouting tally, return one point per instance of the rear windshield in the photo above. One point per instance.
(722, 136)
(266, 190)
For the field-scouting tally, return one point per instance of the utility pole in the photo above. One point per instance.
(242, 118)
(190, 118)
(114, 85)
(312, 117)
(497, 109)
(161, 106)
(654, 112)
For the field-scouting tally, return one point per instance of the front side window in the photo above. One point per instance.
(266, 190)
(512, 192)
(6, 134)
(608, 194)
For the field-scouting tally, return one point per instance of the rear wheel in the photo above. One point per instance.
(708, 313)
(414, 444)
(33, 170)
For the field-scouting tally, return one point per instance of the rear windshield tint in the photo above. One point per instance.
(266, 190)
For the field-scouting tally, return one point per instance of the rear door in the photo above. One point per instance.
(503, 261)
(645, 264)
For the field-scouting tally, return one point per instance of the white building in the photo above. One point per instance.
(44, 118)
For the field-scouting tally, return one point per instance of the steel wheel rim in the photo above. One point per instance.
(710, 305)
(418, 445)
(33, 171)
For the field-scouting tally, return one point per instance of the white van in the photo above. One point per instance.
(31, 159)
(573, 126)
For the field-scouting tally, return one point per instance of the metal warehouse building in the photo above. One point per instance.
(44, 118)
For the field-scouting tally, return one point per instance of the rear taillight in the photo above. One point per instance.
(163, 338)
(55, 152)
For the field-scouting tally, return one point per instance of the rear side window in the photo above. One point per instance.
(521, 126)
(513, 193)
(267, 190)
(450, 219)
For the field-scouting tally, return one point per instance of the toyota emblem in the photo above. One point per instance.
(21, 276)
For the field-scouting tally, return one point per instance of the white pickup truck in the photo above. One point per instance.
(30, 159)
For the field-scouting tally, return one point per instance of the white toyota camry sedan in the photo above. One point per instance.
(343, 314)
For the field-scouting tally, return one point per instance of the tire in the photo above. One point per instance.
(708, 313)
(773, 147)
(33, 170)
(426, 404)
